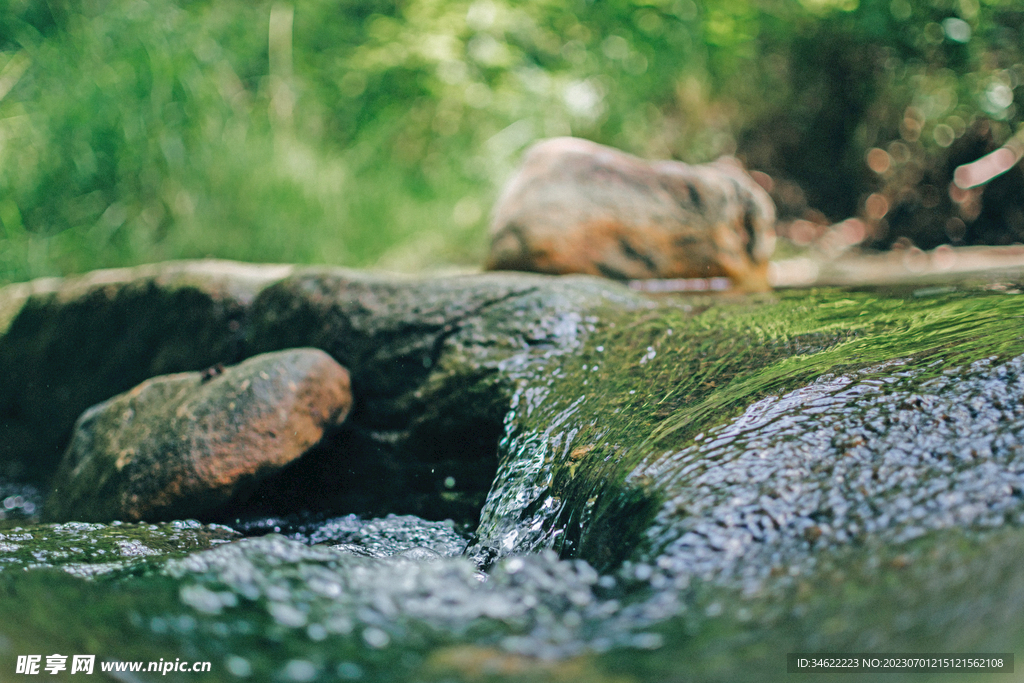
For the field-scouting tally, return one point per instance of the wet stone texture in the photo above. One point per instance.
(391, 535)
(888, 454)
(433, 365)
(537, 607)
(90, 550)
(427, 360)
(631, 442)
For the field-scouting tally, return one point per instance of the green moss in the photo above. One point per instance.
(709, 363)
(85, 550)
(647, 382)
(935, 594)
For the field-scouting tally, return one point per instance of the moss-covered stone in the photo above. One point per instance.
(602, 440)
(427, 358)
(434, 365)
(90, 550)
(338, 616)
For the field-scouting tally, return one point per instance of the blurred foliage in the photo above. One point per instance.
(377, 132)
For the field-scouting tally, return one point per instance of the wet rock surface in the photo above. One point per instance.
(578, 207)
(575, 478)
(433, 365)
(680, 489)
(335, 615)
(90, 550)
(887, 454)
(183, 445)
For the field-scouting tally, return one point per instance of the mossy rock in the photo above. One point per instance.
(90, 550)
(663, 417)
(682, 488)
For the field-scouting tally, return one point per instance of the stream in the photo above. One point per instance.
(688, 489)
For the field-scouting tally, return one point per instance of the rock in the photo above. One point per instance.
(67, 344)
(579, 207)
(432, 360)
(91, 550)
(434, 365)
(180, 446)
(719, 438)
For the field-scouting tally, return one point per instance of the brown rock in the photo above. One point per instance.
(180, 446)
(69, 343)
(579, 207)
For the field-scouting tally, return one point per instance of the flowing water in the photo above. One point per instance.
(695, 491)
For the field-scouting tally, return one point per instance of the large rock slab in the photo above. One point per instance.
(576, 206)
(729, 436)
(181, 446)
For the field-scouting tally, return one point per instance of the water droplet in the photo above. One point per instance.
(300, 670)
(376, 638)
(286, 615)
(238, 666)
